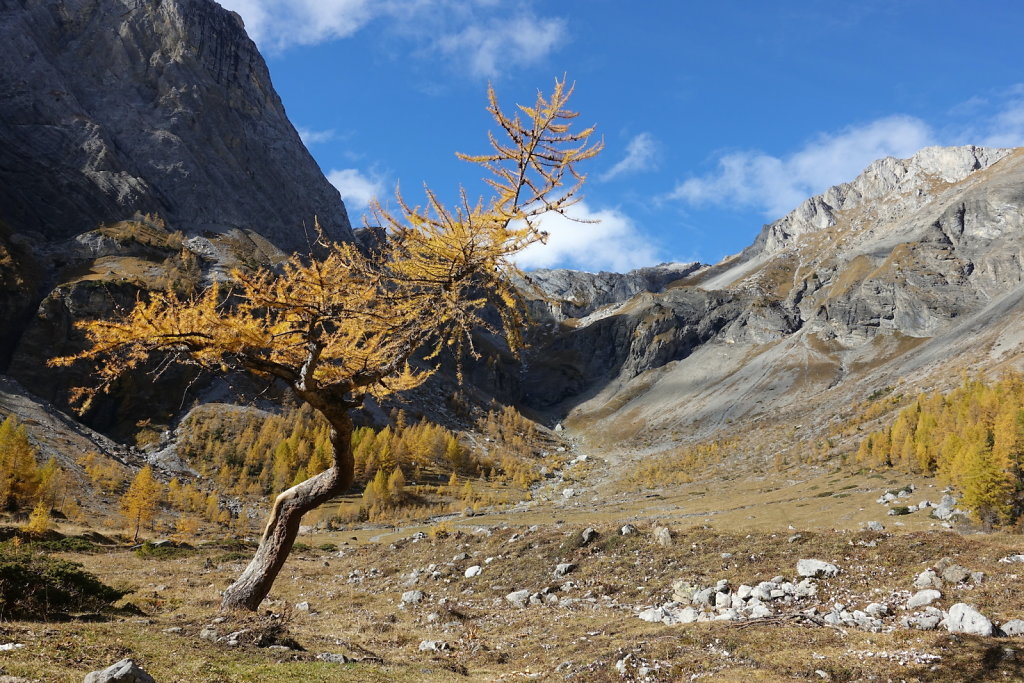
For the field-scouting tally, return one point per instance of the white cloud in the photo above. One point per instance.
(278, 24)
(776, 185)
(641, 155)
(612, 244)
(488, 48)
(1006, 128)
(315, 137)
(484, 37)
(357, 189)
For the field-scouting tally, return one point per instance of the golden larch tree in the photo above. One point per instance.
(141, 502)
(346, 322)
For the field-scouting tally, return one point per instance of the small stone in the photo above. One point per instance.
(955, 574)
(412, 597)
(460, 557)
(629, 530)
(519, 598)
(434, 646)
(928, 579)
(874, 526)
(334, 658)
(705, 596)
(208, 633)
(923, 598)
(816, 568)
(174, 629)
(568, 493)
(302, 606)
(1014, 627)
(964, 618)
(654, 615)
(662, 536)
(877, 610)
(125, 671)
(564, 568)
(475, 570)
(588, 535)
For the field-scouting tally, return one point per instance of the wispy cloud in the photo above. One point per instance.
(357, 189)
(775, 185)
(613, 243)
(481, 37)
(279, 24)
(641, 155)
(315, 137)
(487, 48)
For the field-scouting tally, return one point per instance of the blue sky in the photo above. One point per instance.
(717, 116)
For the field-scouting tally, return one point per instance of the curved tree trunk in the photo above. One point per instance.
(248, 591)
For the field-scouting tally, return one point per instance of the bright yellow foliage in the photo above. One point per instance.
(343, 323)
(19, 473)
(142, 500)
(972, 438)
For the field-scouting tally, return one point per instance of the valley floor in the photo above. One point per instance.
(526, 595)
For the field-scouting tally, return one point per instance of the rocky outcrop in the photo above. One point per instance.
(154, 106)
(560, 294)
(893, 187)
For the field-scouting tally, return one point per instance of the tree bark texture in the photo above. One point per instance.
(249, 590)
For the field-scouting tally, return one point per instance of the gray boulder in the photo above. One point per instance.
(519, 598)
(662, 536)
(816, 569)
(923, 598)
(964, 618)
(1013, 628)
(125, 671)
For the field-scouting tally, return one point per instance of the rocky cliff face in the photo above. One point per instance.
(560, 294)
(142, 145)
(910, 273)
(154, 106)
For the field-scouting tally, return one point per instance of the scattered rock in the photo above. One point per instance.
(923, 598)
(208, 633)
(874, 526)
(1014, 627)
(588, 535)
(564, 568)
(568, 493)
(964, 618)
(335, 658)
(303, 606)
(125, 671)
(629, 530)
(412, 597)
(1013, 558)
(925, 620)
(816, 568)
(519, 598)
(475, 570)
(662, 536)
(928, 579)
(878, 610)
(434, 646)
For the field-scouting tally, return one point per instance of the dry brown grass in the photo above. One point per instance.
(355, 596)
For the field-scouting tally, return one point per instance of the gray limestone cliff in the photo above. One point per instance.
(154, 106)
